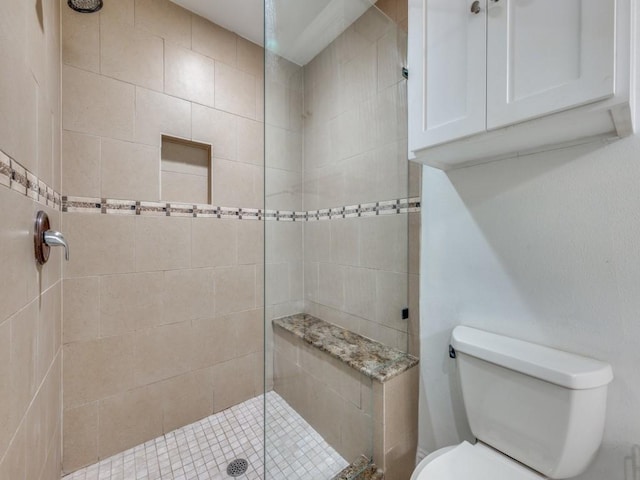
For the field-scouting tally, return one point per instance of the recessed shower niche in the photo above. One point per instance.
(185, 173)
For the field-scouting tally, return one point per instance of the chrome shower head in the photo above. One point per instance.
(85, 6)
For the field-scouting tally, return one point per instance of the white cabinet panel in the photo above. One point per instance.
(544, 56)
(447, 70)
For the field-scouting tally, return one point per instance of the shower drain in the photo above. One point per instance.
(237, 467)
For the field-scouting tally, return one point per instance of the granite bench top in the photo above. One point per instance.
(361, 469)
(369, 357)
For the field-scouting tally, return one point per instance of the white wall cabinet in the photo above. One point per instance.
(490, 79)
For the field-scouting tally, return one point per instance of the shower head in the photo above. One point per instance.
(85, 6)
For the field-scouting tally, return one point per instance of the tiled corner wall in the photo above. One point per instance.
(360, 273)
(30, 296)
(162, 308)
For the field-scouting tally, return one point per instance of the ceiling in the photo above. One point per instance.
(297, 29)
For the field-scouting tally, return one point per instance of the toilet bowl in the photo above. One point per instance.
(472, 462)
(537, 413)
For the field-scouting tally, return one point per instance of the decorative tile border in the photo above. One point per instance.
(163, 209)
(19, 179)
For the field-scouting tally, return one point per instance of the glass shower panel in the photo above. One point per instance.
(336, 230)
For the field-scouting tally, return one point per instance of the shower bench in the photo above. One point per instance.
(359, 394)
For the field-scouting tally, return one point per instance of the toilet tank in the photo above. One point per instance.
(541, 406)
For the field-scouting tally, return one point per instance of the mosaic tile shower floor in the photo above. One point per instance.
(202, 450)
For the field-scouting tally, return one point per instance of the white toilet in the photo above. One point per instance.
(538, 413)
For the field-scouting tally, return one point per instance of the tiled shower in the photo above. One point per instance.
(156, 338)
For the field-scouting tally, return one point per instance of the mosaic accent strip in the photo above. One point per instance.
(162, 209)
(19, 179)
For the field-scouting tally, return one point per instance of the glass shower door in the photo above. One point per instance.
(336, 225)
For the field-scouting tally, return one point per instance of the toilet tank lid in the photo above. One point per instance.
(555, 366)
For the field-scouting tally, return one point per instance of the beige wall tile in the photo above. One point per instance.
(17, 251)
(250, 58)
(360, 292)
(235, 91)
(331, 285)
(249, 330)
(214, 341)
(189, 75)
(277, 283)
(250, 141)
(133, 418)
(284, 241)
(18, 99)
(414, 315)
(130, 171)
(234, 289)
(187, 295)
(97, 105)
(121, 11)
(283, 189)
(373, 24)
(158, 114)
(345, 241)
(49, 329)
(13, 22)
(311, 279)
(250, 243)
(216, 128)
(36, 43)
(45, 136)
(131, 55)
(236, 381)
(184, 188)
(130, 302)
(80, 436)
(317, 241)
(214, 41)
(8, 416)
(24, 355)
(392, 295)
(97, 369)
(165, 19)
(186, 158)
(80, 40)
(236, 184)
(276, 103)
(384, 242)
(163, 352)
(386, 335)
(160, 242)
(13, 465)
(356, 433)
(81, 318)
(186, 399)
(102, 244)
(81, 157)
(214, 242)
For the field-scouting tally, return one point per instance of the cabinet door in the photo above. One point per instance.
(544, 56)
(447, 70)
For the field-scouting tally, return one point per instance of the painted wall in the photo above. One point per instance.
(30, 296)
(545, 248)
(162, 314)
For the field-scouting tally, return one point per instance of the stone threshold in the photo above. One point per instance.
(367, 356)
(361, 469)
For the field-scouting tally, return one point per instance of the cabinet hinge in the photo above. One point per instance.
(405, 72)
